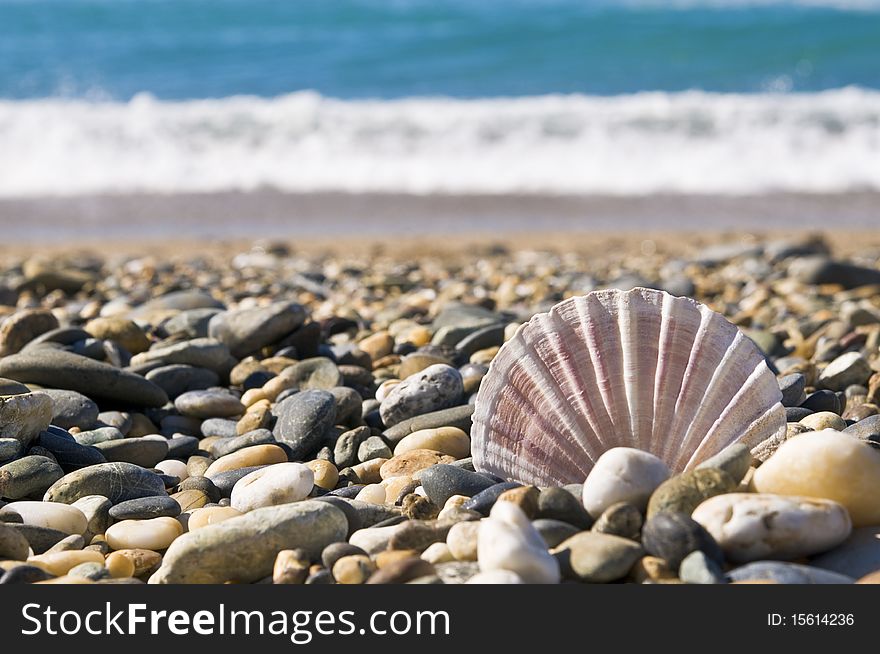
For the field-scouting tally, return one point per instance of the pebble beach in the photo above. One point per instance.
(268, 412)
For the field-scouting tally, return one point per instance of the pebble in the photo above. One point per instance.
(697, 568)
(24, 416)
(211, 403)
(72, 409)
(786, 573)
(591, 557)
(172, 467)
(462, 540)
(60, 563)
(792, 387)
(823, 420)
(226, 446)
(734, 459)
(672, 536)
(291, 567)
(353, 569)
(151, 534)
(60, 369)
(115, 481)
(61, 517)
(119, 566)
(326, 474)
(622, 519)
(483, 501)
(28, 476)
(651, 569)
(525, 497)
(275, 484)
(145, 451)
(508, 541)
(145, 562)
(442, 481)
(41, 539)
(822, 400)
(177, 379)
(145, 508)
(826, 464)
(401, 572)
(96, 509)
(436, 387)
(257, 455)
(558, 504)
(9, 448)
(411, 462)
(846, 370)
(69, 454)
(305, 421)
(22, 327)
(373, 447)
(458, 416)
(123, 331)
(246, 331)
(437, 553)
(199, 352)
(372, 494)
(622, 474)
(857, 556)
(451, 441)
(210, 515)
(683, 493)
(750, 527)
(13, 545)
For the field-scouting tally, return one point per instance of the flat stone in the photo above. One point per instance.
(145, 508)
(792, 387)
(69, 454)
(115, 481)
(442, 481)
(24, 574)
(72, 409)
(99, 435)
(317, 373)
(446, 440)
(866, 429)
(304, 422)
(361, 515)
(786, 573)
(458, 416)
(847, 369)
(13, 545)
(824, 420)
(60, 517)
(219, 427)
(246, 331)
(22, 327)
(414, 363)
(145, 451)
(257, 455)
(152, 534)
(229, 445)
(826, 464)
(213, 403)
(60, 369)
(24, 416)
(190, 324)
(27, 476)
(281, 483)
(672, 536)
(177, 379)
(592, 557)
(434, 388)
(199, 352)
(683, 493)
(750, 526)
(244, 549)
(125, 332)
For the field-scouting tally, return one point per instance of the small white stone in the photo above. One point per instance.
(152, 534)
(496, 577)
(622, 474)
(438, 553)
(373, 540)
(280, 483)
(174, 468)
(372, 493)
(53, 515)
(462, 540)
(508, 541)
(752, 526)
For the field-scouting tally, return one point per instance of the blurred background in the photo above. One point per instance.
(131, 117)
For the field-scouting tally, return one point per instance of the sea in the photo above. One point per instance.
(439, 97)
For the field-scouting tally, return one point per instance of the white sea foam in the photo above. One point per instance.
(690, 142)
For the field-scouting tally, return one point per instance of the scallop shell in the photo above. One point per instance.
(640, 368)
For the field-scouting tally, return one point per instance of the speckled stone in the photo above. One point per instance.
(683, 493)
(115, 481)
(436, 387)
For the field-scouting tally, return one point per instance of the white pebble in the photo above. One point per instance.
(280, 483)
(622, 474)
(508, 541)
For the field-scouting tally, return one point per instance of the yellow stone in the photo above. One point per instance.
(252, 396)
(368, 471)
(354, 569)
(390, 557)
(395, 486)
(290, 567)
(256, 455)
(830, 465)
(144, 561)
(211, 515)
(485, 356)
(326, 474)
(447, 440)
(377, 345)
(412, 461)
(60, 563)
(119, 565)
(152, 534)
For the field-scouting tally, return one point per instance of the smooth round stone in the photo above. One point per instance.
(24, 416)
(437, 553)
(622, 474)
(335, 551)
(145, 508)
(824, 420)
(115, 481)
(792, 387)
(847, 369)
(246, 331)
(119, 419)
(361, 514)
(697, 568)
(219, 427)
(60, 517)
(173, 468)
(621, 519)
(672, 536)
(483, 501)
(451, 441)
(415, 363)
(749, 527)
(153, 534)
(685, 492)
(281, 483)
(508, 541)
(558, 504)
(96, 509)
(372, 494)
(198, 352)
(373, 448)
(317, 373)
(125, 332)
(189, 500)
(226, 446)
(462, 540)
(592, 557)
(823, 400)
(99, 435)
(457, 416)
(326, 474)
(353, 569)
(41, 539)
(442, 481)
(258, 455)
(71, 542)
(377, 345)
(857, 556)
(525, 497)
(786, 573)
(72, 409)
(13, 545)
(69, 454)
(22, 327)
(24, 574)
(29, 475)
(145, 451)
(402, 571)
(61, 369)
(436, 387)
(204, 485)
(144, 561)
(734, 459)
(244, 549)
(60, 563)
(211, 515)
(224, 482)
(119, 566)
(209, 404)
(411, 462)
(178, 379)
(830, 465)
(304, 422)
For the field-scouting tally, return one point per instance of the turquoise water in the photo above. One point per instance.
(181, 49)
(566, 97)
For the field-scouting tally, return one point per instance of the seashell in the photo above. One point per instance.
(640, 368)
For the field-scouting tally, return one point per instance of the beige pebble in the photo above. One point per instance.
(190, 499)
(484, 356)
(372, 494)
(824, 420)
(353, 569)
(152, 534)
(385, 388)
(391, 557)
(438, 553)
(369, 471)
(462, 540)
(377, 345)
(119, 565)
(291, 567)
(145, 561)
(60, 563)
(395, 486)
(256, 455)
(446, 440)
(61, 517)
(326, 474)
(275, 386)
(211, 515)
(174, 468)
(411, 462)
(252, 396)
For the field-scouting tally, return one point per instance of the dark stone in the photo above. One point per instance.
(620, 519)
(25, 574)
(458, 416)
(145, 452)
(304, 422)
(335, 551)
(13, 545)
(823, 400)
(490, 336)
(224, 481)
(348, 492)
(346, 447)
(177, 379)
(558, 504)
(442, 481)
(820, 270)
(230, 445)
(69, 454)
(201, 484)
(145, 508)
(360, 515)
(672, 536)
(117, 482)
(181, 447)
(72, 409)
(792, 387)
(483, 501)
(554, 531)
(28, 476)
(39, 538)
(796, 413)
